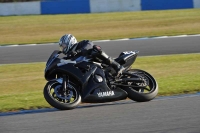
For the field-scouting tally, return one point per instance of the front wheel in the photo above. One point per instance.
(143, 91)
(56, 97)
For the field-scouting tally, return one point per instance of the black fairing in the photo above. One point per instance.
(49, 72)
(92, 92)
(71, 70)
(89, 76)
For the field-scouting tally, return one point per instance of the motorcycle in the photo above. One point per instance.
(82, 79)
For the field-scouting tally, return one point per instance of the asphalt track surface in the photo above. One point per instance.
(147, 47)
(161, 115)
(175, 114)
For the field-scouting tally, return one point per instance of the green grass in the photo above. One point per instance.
(175, 74)
(98, 26)
(21, 85)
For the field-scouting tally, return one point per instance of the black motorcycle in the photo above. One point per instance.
(82, 79)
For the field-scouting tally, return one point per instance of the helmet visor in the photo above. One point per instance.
(64, 48)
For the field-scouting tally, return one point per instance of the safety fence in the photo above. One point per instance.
(92, 6)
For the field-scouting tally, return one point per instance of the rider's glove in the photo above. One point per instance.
(79, 51)
(74, 53)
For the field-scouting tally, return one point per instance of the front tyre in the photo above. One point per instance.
(145, 91)
(54, 95)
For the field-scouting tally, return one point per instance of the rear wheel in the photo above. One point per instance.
(143, 91)
(56, 97)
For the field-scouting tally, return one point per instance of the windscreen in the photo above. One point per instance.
(52, 56)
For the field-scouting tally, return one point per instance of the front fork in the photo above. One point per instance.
(66, 94)
(64, 81)
(65, 84)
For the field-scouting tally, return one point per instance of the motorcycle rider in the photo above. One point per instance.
(71, 47)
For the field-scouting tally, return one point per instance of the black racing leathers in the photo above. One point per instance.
(87, 47)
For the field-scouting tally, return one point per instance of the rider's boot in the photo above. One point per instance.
(109, 61)
(118, 68)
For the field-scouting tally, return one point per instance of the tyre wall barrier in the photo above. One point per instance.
(92, 6)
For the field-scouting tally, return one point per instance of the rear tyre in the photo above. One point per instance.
(54, 95)
(145, 91)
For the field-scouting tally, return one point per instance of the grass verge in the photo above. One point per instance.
(21, 85)
(98, 26)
